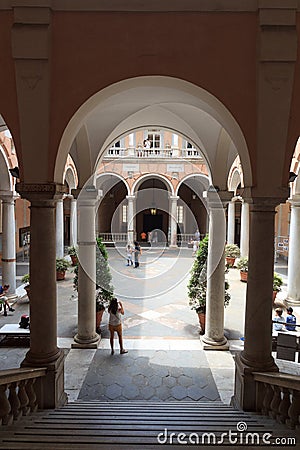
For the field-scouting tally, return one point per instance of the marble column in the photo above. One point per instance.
(43, 350)
(86, 336)
(60, 228)
(130, 218)
(230, 222)
(173, 220)
(9, 243)
(214, 338)
(257, 353)
(73, 222)
(293, 287)
(244, 245)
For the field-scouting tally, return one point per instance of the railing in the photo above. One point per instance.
(278, 396)
(187, 238)
(113, 237)
(140, 152)
(18, 394)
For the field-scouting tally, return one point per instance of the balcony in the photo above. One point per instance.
(153, 153)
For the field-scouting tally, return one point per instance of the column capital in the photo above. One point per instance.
(174, 198)
(264, 204)
(8, 196)
(217, 199)
(130, 197)
(87, 194)
(41, 192)
(295, 200)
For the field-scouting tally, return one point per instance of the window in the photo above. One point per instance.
(131, 140)
(175, 140)
(155, 139)
(180, 214)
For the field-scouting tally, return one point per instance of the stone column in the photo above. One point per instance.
(244, 245)
(230, 222)
(73, 222)
(293, 288)
(86, 336)
(257, 354)
(60, 228)
(173, 220)
(130, 218)
(9, 243)
(214, 338)
(43, 310)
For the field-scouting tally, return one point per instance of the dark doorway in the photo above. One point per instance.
(152, 222)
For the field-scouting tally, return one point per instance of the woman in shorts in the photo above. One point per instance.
(115, 310)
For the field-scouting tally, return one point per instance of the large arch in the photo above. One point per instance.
(147, 176)
(135, 102)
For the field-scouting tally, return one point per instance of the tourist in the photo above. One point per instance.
(115, 310)
(137, 252)
(290, 320)
(129, 255)
(278, 320)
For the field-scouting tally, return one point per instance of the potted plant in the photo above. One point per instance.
(25, 279)
(242, 265)
(232, 252)
(72, 251)
(277, 283)
(197, 286)
(61, 267)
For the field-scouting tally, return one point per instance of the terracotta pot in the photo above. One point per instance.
(201, 317)
(244, 276)
(74, 260)
(230, 261)
(99, 315)
(60, 275)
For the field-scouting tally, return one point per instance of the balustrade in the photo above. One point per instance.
(278, 396)
(18, 394)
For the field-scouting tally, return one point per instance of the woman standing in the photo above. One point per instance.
(115, 310)
(137, 253)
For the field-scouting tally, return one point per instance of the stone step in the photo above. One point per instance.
(130, 425)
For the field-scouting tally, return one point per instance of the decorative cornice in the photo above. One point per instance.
(41, 191)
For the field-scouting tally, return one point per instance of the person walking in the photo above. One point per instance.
(116, 310)
(137, 253)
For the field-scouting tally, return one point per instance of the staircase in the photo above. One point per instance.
(131, 425)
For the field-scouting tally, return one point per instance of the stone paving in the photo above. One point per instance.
(155, 375)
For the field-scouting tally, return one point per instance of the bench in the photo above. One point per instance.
(11, 334)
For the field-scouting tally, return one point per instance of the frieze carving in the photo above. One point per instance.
(41, 190)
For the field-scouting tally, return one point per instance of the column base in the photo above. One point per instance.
(211, 344)
(291, 301)
(245, 386)
(49, 389)
(80, 342)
